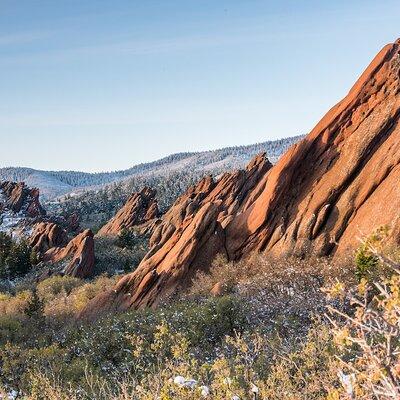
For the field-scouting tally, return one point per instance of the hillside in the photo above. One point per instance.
(57, 183)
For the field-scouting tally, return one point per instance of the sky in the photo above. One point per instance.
(103, 85)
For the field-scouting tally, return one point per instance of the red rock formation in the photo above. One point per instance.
(217, 290)
(20, 198)
(335, 186)
(340, 182)
(47, 235)
(189, 236)
(233, 191)
(140, 209)
(78, 255)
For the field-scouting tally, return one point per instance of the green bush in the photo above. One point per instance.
(366, 263)
(52, 287)
(16, 257)
(126, 238)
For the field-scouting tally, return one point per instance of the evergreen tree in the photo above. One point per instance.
(35, 307)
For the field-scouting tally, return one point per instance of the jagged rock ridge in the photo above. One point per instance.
(187, 238)
(77, 255)
(47, 235)
(140, 209)
(336, 185)
(21, 199)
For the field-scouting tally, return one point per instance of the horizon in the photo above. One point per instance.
(96, 87)
(151, 161)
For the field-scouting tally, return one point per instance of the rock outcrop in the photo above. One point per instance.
(77, 255)
(335, 186)
(340, 182)
(141, 209)
(19, 198)
(190, 234)
(47, 235)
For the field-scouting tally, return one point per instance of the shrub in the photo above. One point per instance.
(16, 257)
(369, 338)
(366, 260)
(126, 238)
(35, 307)
(111, 258)
(366, 263)
(57, 285)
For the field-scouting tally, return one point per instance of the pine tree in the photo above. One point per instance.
(35, 307)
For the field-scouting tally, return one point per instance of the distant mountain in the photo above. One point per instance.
(56, 183)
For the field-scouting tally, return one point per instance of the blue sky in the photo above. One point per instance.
(103, 85)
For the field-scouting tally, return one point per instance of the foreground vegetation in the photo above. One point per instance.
(272, 330)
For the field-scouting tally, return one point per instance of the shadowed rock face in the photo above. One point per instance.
(46, 235)
(338, 184)
(141, 208)
(78, 254)
(20, 198)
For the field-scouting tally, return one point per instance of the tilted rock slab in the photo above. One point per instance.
(20, 198)
(78, 254)
(189, 236)
(338, 184)
(140, 209)
(328, 191)
(46, 235)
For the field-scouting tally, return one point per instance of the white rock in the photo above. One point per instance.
(205, 391)
(190, 383)
(254, 388)
(12, 395)
(228, 381)
(347, 382)
(179, 380)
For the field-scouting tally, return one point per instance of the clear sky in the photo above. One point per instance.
(103, 85)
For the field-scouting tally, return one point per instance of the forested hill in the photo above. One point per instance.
(56, 183)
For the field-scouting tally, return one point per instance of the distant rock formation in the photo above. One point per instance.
(140, 209)
(47, 235)
(19, 198)
(334, 187)
(78, 255)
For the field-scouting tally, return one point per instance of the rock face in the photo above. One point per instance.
(47, 235)
(190, 234)
(140, 209)
(340, 182)
(336, 185)
(78, 255)
(20, 198)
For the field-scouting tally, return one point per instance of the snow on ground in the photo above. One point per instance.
(12, 223)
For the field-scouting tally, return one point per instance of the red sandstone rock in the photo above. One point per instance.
(188, 237)
(340, 182)
(78, 254)
(47, 235)
(20, 198)
(335, 186)
(217, 290)
(140, 210)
